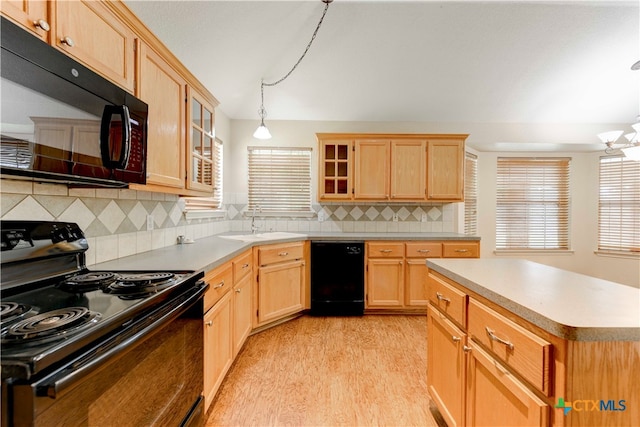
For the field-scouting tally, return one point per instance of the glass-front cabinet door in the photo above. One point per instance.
(201, 173)
(335, 169)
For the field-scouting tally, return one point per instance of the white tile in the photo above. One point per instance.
(347, 226)
(28, 208)
(112, 216)
(90, 254)
(138, 215)
(381, 227)
(404, 227)
(158, 197)
(370, 227)
(403, 213)
(143, 241)
(106, 248)
(356, 213)
(144, 195)
(107, 193)
(372, 213)
(159, 215)
(127, 244)
(49, 189)
(128, 194)
(175, 214)
(359, 227)
(158, 238)
(434, 213)
(340, 213)
(16, 186)
(79, 213)
(83, 192)
(387, 213)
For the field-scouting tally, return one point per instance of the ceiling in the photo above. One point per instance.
(529, 63)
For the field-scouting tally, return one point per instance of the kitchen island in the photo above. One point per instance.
(516, 342)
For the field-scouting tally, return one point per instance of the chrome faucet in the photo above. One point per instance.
(254, 227)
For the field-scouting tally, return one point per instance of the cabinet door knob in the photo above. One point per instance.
(466, 349)
(209, 323)
(245, 266)
(238, 291)
(68, 41)
(219, 285)
(42, 24)
(456, 339)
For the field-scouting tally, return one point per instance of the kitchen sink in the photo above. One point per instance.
(257, 237)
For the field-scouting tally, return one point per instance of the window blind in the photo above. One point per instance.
(214, 171)
(619, 205)
(532, 204)
(280, 179)
(471, 194)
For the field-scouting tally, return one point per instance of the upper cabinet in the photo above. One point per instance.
(164, 89)
(391, 167)
(108, 38)
(33, 15)
(92, 34)
(201, 142)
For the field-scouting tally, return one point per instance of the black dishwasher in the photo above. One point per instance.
(337, 278)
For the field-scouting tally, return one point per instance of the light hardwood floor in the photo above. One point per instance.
(329, 371)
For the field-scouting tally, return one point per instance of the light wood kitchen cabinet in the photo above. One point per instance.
(91, 33)
(391, 167)
(446, 365)
(371, 171)
(242, 301)
(335, 170)
(396, 272)
(218, 346)
(482, 367)
(495, 397)
(164, 89)
(33, 15)
(201, 142)
(281, 281)
(408, 169)
(445, 169)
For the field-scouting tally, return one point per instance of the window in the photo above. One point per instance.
(532, 204)
(619, 206)
(198, 206)
(280, 180)
(471, 194)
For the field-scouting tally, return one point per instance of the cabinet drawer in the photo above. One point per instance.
(528, 354)
(461, 250)
(385, 249)
(220, 281)
(448, 299)
(424, 250)
(241, 266)
(280, 252)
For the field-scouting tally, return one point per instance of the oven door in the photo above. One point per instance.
(151, 374)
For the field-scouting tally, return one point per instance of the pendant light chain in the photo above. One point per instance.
(326, 7)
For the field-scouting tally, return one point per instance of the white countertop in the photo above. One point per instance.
(566, 304)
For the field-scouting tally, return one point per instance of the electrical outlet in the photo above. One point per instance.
(395, 217)
(320, 216)
(149, 222)
(423, 217)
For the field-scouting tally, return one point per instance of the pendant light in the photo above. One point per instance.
(262, 132)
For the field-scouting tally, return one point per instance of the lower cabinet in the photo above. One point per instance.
(385, 282)
(281, 282)
(446, 367)
(218, 347)
(241, 313)
(497, 398)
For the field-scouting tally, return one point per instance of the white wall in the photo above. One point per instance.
(584, 179)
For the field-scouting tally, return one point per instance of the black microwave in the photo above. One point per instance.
(62, 122)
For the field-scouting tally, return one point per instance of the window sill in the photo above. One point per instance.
(614, 254)
(284, 214)
(534, 252)
(204, 213)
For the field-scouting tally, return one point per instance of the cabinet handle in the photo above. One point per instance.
(424, 251)
(68, 41)
(385, 251)
(219, 285)
(245, 265)
(466, 349)
(496, 338)
(209, 323)
(238, 291)
(283, 254)
(462, 250)
(442, 298)
(456, 339)
(42, 24)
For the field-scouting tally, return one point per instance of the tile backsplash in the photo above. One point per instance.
(116, 221)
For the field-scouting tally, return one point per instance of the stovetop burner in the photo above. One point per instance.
(51, 325)
(88, 281)
(137, 285)
(9, 310)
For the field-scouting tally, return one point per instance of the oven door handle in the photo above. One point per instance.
(69, 376)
